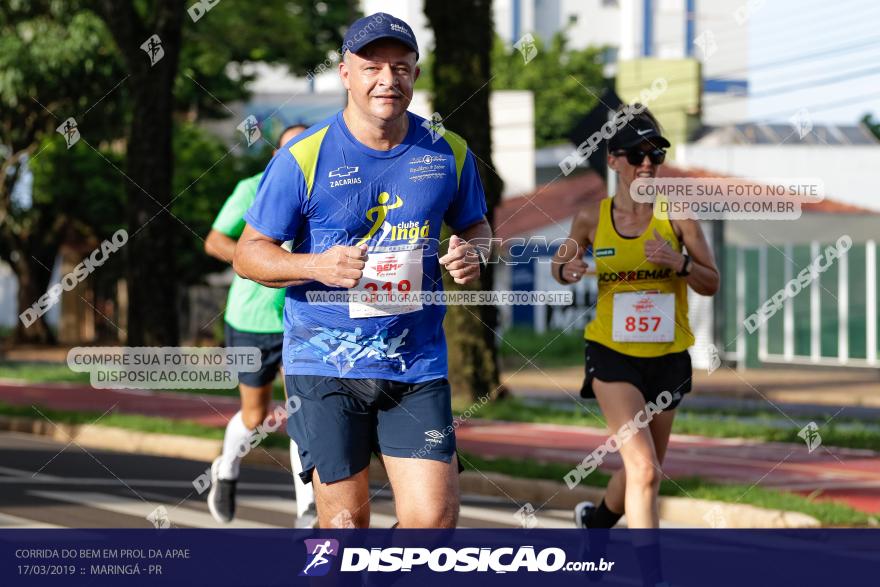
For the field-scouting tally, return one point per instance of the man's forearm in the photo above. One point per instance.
(220, 246)
(268, 264)
(480, 235)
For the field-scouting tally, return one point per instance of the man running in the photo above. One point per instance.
(253, 317)
(363, 195)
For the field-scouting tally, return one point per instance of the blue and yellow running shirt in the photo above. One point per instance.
(325, 188)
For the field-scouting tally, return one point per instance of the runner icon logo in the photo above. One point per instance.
(714, 359)
(250, 128)
(435, 127)
(527, 47)
(153, 48)
(70, 131)
(159, 518)
(810, 434)
(526, 516)
(319, 553)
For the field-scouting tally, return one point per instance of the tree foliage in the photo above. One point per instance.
(54, 64)
(198, 196)
(82, 58)
(222, 43)
(565, 82)
(871, 124)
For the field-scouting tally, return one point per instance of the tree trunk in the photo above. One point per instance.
(30, 269)
(463, 35)
(150, 267)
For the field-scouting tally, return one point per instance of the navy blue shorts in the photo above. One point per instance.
(270, 346)
(342, 421)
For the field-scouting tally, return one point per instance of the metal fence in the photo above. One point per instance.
(832, 321)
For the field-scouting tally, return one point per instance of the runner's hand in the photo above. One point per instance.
(462, 261)
(659, 252)
(341, 266)
(574, 270)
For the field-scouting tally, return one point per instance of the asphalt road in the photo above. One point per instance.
(47, 484)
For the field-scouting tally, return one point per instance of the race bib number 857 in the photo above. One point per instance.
(643, 317)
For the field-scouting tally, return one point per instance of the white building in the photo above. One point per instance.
(715, 32)
(840, 156)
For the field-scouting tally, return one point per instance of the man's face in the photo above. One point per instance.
(380, 78)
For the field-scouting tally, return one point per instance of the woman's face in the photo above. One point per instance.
(626, 171)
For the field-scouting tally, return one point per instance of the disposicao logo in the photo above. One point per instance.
(319, 554)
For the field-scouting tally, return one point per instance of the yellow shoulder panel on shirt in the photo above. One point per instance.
(459, 151)
(306, 154)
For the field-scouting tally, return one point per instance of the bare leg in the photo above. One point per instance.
(425, 492)
(661, 428)
(345, 503)
(254, 404)
(620, 402)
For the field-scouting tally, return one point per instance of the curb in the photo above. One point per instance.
(543, 493)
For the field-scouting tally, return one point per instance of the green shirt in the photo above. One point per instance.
(250, 306)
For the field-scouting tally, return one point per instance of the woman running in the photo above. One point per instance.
(636, 346)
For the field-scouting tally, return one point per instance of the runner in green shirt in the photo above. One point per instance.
(250, 306)
(254, 318)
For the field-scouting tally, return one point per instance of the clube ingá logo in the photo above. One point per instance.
(319, 554)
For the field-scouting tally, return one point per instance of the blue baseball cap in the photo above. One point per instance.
(377, 26)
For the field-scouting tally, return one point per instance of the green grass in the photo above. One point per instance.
(841, 432)
(41, 372)
(715, 424)
(61, 373)
(828, 513)
(553, 348)
(832, 433)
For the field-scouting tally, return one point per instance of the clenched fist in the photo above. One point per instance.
(341, 266)
(461, 260)
(660, 252)
(574, 270)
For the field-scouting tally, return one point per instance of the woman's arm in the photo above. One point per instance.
(704, 277)
(568, 265)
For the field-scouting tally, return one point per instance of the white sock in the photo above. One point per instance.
(236, 435)
(305, 494)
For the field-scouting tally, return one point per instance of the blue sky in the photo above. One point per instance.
(795, 43)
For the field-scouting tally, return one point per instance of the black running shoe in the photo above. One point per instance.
(221, 498)
(582, 512)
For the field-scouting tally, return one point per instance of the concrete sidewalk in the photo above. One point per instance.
(851, 476)
(805, 386)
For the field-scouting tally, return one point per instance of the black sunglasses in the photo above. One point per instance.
(635, 156)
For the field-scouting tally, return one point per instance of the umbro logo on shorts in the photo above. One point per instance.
(433, 437)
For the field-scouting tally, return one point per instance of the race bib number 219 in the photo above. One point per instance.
(388, 285)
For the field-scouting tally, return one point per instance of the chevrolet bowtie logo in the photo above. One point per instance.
(343, 171)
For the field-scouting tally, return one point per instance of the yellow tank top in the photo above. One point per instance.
(622, 268)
